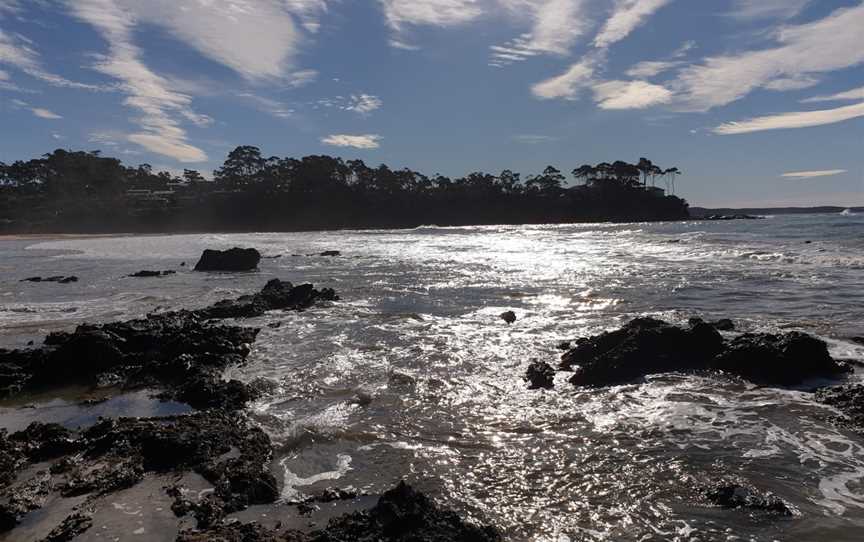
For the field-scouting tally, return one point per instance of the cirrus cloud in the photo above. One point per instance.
(813, 174)
(797, 119)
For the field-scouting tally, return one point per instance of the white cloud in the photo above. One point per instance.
(851, 95)
(555, 27)
(302, 78)
(568, 84)
(45, 114)
(767, 9)
(400, 13)
(365, 141)
(812, 174)
(255, 38)
(651, 68)
(802, 119)
(629, 94)
(626, 17)
(796, 82)
(58, 137)
(148, 93)
(826, 45)
(19, 53)
(364, 103)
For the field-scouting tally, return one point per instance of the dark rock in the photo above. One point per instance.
(540, 375)
(849, 400)
(57, 278)
(234, 259)
(563, 345)
(401, 515)
(70, 528)
(641, 347)
(508, 316)
(44, 441)
(276, 295)
(146, 274)
(739, 496)
(786, 360)
(859, 340)
(647, 346)
(331, 253)
(724, 324)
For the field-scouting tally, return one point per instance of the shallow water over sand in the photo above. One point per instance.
(413, 375)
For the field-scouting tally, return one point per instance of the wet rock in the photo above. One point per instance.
(540, 375)
(71, 528)
(401, 515)
(331, 253)
(58, 278)
(148, 274)
(858, 340)
(740, 496)
(44, 441)
(276, 295)
(641, 347)
(786, 360)
(723, 324)
(849, 400)
(234, 259)
(564, 345)
(21, 498)
(647, 346)
(508, 316)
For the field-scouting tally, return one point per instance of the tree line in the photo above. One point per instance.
(78, 191)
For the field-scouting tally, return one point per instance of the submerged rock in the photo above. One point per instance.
(182, 351)
(234, 259)
(540, 375)
(402, 514)
(59, 278)
(148, 274)
(331, 253)
(646, 346)
(740, 496)
(508, 316)
(849, 400)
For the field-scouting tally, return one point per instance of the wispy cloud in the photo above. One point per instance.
(826, 45)
(256, 38)
(534, 139)
(629, 94)
(812, 174)
(626, 17)
(364, 141)
(569, 84)
(802, 119)
(555, 27)
(850, 95)
(403, 14)
(767, 9)
(363, 103)
(268, 105)
(652, 68)
(17, 52)
(45, 113)
(147, 92)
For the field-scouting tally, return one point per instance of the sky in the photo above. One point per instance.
(758, 102)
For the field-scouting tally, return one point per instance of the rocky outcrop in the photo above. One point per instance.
(234, 259)
(849, 400)
(276, 295)
(733, 495)
(508, 316)
(540, 375)
(402, 514)
(646, 346)
(182, 352)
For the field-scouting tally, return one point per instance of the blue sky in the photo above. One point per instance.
(757, 101)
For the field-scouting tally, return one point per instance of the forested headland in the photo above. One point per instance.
(84, 192)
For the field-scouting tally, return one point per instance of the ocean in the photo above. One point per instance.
(413, 375)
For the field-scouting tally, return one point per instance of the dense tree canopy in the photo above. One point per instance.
(84, 191)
